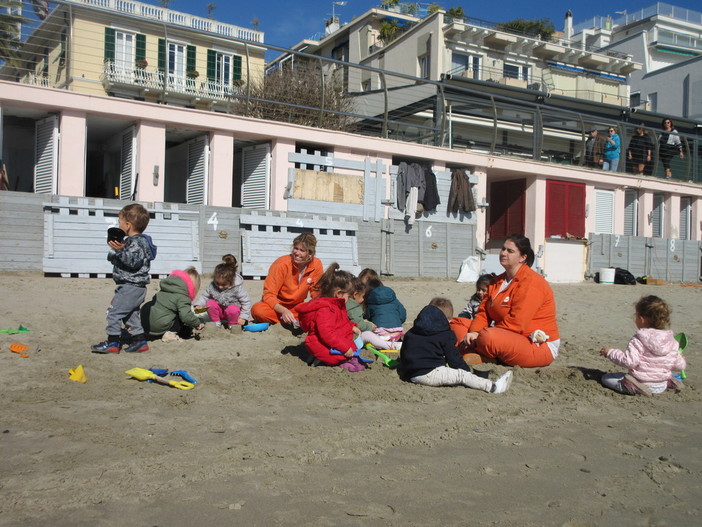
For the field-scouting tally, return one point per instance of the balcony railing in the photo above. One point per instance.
(154, 82)
(175, 17)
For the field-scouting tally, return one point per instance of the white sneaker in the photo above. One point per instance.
(502, 384)
(218, 325)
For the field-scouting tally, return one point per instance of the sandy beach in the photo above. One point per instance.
(265, 439)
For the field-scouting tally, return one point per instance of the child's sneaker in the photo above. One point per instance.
(105, 347)
(137, 347)
(635, 387)
(502, 384)
(218, 325)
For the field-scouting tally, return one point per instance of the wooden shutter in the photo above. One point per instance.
(507, 201)
(565, 209)
(657, 216)
(685, 206)
(140, 47)
(190, 64)
(211, 65)
(604, 211)
(46, 138)
(631, 211)
(236, 67)
(198, 157)
(161, 54)
(255, 176)
(109, 44)
(126, 164)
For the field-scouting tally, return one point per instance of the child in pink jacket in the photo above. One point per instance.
(651, 355)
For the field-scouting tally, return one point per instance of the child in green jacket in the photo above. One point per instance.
(169, 313)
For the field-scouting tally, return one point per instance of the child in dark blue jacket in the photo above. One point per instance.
(429, 355)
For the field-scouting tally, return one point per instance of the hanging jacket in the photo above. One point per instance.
(409, 176)
(431, 193)
(460, 195)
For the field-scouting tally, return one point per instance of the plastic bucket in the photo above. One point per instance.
(607, 275)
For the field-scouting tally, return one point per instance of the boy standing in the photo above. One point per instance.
(429, 355)
(131, 259)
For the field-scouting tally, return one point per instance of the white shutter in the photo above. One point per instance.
(604, 211)
(255, 176)
(126, 164)
(657, 216)
(198, 154)
(46, 137)
(685, 206)
(631, 211)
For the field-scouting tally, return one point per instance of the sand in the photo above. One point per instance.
(265, 439)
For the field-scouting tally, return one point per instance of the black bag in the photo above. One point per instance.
(622, 276)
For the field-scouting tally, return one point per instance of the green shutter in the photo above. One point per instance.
(190, 60)
(140, 47)
(211, 65)
(109, 44)
(236, 69)
(161, 54)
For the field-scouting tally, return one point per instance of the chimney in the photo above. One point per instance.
(568, 25)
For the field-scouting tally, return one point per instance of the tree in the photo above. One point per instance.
(10, 38)
(433, 8)
(542, 28)
(301, 94)
(456, 13)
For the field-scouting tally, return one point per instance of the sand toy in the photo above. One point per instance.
(20, 349)
(142, 374)
(390, 363)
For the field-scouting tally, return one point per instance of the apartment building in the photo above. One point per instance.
(130, 49)
(667, 41)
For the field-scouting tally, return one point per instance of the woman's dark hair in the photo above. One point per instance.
(524, 246)
(335, 278)
(227, 269)
(672, 124)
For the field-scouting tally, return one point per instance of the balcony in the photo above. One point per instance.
(141, 82)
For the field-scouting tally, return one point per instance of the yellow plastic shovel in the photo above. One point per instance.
(144, 375)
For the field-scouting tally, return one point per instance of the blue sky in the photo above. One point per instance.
(286, 23)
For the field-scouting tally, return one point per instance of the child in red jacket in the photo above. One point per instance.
(326, 321)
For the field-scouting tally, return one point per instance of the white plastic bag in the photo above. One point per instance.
(470, 270)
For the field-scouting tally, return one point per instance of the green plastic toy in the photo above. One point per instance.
(682, 344)
(12, 331)
(390, 363)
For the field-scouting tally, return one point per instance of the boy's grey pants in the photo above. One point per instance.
(125, 308)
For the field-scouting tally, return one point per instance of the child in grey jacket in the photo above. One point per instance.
(131, 259)
(225, 297)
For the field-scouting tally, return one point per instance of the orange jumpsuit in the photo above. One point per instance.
(526, 305)
(286, 286)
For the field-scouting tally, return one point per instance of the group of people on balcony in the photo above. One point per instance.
(605, 153)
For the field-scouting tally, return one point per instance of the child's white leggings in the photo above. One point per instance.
(379, 342)
(445, 376)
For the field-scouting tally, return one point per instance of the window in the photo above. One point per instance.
(604, 211)
(223, 68)
(685, 217)
(424, 67)
(466, 65)
(565, 209)
(657, 215)
(515, 71)
(653, 99)
(631, 212)
(124, 51)
(176, 60)
(507, 208)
